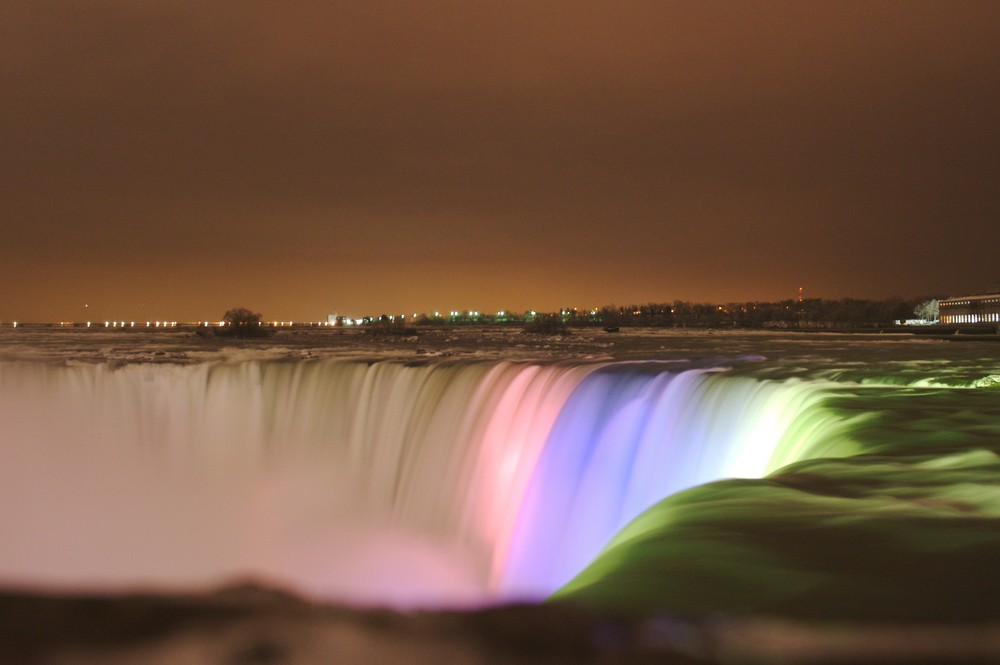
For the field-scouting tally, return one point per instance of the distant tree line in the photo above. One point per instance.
(816, 313)
(807, 313)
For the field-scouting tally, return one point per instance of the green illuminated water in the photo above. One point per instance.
(905, 527)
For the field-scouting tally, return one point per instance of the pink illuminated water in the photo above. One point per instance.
(382, 483)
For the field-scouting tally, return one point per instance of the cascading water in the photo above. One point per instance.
(381, 482)
(631, 434)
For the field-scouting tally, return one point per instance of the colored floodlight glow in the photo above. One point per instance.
(542, 463)
(591, 480)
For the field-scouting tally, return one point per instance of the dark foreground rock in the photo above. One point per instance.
(250, 625)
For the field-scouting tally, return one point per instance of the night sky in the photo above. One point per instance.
(175, 159)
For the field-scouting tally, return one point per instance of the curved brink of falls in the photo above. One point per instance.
(384, 482)
(630, 435)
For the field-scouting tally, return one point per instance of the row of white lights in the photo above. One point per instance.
(347, 321)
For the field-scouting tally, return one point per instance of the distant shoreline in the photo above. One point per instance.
(983, 331)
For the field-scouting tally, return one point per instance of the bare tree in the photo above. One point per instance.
(242, 322)
(927, 310)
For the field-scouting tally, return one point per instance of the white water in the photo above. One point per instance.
(435, 484)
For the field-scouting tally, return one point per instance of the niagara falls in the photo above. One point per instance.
(834, 477)
(499, 333)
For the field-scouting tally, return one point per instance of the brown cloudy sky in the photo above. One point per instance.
(172, 159)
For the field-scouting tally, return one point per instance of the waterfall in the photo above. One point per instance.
(382, 482)
(632, 434)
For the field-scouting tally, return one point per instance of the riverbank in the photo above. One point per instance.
(249, 625)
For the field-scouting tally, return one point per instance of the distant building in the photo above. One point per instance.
(970, 309)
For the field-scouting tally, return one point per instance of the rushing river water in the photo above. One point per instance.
(810, 475)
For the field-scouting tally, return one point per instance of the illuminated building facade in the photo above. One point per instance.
(970, 309)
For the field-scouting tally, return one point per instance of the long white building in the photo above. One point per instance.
(970, 309)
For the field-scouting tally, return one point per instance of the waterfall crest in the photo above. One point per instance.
(351, 479)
